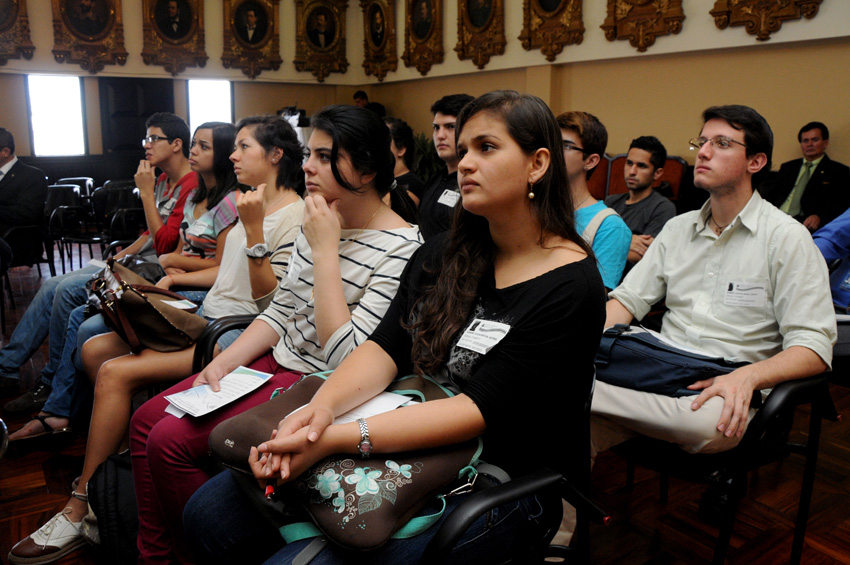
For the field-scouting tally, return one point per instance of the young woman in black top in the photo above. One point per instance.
(512, 266)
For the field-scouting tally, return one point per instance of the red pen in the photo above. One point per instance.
(270, 490)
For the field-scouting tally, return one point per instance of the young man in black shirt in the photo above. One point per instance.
(441, 192)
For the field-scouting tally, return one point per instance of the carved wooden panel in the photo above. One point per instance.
(641, 21)
(549, 25)
(379, 37)
(173, 33)
(88, 33)
(423, 37)
(251, 38)
(320, 37)
(15, 39)
(480, 30)
(761, 17)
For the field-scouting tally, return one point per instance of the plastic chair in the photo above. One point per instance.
(106, 201)
(86, 184)
(205, 346)
(765, 441)
(598, 181)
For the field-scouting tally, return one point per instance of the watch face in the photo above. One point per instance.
(365, 447)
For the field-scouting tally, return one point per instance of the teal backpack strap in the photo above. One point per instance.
(420, 524)
(299, 531)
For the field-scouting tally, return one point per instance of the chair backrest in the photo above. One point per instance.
(107, 199)
(126, 223)
(61, 195)
(674, 172)
(598, 181)
(86, 184)
(119, 182)
(27, 243)
(617, 180)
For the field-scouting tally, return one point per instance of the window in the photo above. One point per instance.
(209, 101)
(56, 115)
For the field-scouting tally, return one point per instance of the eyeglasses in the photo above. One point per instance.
(568, 146)
(154, 138)
(719, 142)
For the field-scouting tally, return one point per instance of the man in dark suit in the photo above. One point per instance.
(23, 189)
(814, 189)
(254, 28)
(174, 24)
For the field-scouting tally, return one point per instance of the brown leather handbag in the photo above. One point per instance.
(140, 314)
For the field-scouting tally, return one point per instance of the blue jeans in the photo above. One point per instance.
(47, 313)
(223, 526)
(65, 380)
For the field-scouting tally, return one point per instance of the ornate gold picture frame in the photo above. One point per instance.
(173, 33)
(480, 30)
(320, 37)
(761, 18)
(423, 37)
(641, 21)
(15, 39)
(88, 33)
(379, 37)
(251, 38)
(550, 25)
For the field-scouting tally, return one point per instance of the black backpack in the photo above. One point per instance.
(112, 496)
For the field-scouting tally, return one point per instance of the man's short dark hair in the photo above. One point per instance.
(591, 132)
(173, 126)
(651, 144)
(451, 105)
(758, 137)
(824, 131)
(361, 94)
(7, 140)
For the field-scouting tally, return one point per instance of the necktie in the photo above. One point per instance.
(791, 206)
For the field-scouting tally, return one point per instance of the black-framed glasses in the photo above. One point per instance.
(570, 146)
(719, 142)
(154, 138)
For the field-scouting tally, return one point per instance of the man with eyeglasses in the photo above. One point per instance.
(585, 139)
(814, 189)
(643, 209)
(166, 146)
(742, 281)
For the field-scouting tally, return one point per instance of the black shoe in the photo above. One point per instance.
(31, 401)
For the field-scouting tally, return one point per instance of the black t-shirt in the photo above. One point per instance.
(436, 216)
(532, 385)
(409, 181)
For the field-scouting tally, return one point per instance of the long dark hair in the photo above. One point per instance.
(402, 136)
(274, 131)
(469, 251)
(223, 135)
(365, 139)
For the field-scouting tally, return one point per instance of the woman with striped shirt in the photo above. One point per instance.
(343, 274)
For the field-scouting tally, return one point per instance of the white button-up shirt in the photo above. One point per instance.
(758, 288)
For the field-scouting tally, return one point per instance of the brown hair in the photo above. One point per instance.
(591, 132)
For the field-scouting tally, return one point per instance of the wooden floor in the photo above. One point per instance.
(35, 485)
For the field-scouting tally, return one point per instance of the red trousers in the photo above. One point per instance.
(170, 460)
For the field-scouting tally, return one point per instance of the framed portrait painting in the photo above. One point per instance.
(480, 30)
(379, 37)
(320, 37)
(173, 33)
(15, 39)
(251, 38)
(550, 25)
(89, 33)
(423, 37)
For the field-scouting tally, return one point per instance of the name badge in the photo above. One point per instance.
(449, 198)
(198, 228)
(747, 294)
(483, 335)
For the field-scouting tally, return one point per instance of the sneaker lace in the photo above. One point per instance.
(47, 529)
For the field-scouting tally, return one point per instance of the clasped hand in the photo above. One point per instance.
(736, 390)
(295, 446)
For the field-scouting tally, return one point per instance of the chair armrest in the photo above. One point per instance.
(787, 395)
(205, 346)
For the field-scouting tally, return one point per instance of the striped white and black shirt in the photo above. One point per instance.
(370, 266)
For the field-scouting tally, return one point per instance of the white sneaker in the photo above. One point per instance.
(55, 539)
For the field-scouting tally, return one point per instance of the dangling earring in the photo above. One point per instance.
(531, 191)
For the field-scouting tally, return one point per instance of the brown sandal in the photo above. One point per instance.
(48, 429)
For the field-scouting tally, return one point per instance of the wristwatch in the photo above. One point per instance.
(258, 251)
(365, 444)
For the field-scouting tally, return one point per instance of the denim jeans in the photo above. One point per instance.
(223, 526)
(47, 313)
